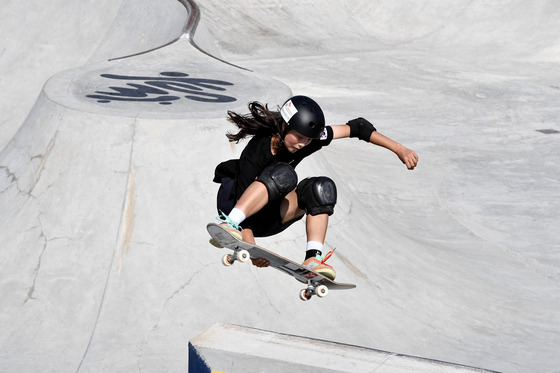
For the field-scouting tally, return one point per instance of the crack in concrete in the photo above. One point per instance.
(261, 287)
(168, 299)
(180, 289)
(123, 239)
(9, 173)
(382, 364)
(14, 180)
(44, 157)
(37, 269)
(46, 241)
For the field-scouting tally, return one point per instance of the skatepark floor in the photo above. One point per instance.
(113, 119)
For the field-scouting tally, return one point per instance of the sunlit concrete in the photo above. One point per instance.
(232, 348)
(104, 259)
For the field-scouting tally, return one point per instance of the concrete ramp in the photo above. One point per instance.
(236, 349)
(45, 38)
(106, 178)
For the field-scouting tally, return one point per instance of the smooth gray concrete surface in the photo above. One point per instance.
(236, 349)
(104, 259)
(40, 39)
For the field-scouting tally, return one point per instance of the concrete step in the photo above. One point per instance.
(232, 348)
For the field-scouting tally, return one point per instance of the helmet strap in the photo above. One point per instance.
(282, 132)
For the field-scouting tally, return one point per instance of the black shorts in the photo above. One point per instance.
(266, 222)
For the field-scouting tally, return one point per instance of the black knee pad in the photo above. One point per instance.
(279, 179)
(317, 195)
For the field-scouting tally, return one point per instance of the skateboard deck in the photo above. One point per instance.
(317, 284)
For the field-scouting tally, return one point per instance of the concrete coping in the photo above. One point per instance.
(232, 348)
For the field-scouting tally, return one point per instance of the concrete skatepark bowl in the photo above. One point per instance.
(113, 119)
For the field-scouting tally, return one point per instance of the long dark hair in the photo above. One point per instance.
(260, 121)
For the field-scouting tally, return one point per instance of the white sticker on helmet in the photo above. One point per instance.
(288, 111)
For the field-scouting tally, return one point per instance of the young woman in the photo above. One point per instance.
(260, 195)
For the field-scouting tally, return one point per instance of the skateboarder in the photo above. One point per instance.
(260, 195)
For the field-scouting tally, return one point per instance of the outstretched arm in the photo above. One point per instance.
(407, 156)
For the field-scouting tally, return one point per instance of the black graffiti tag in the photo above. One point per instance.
(159, 89)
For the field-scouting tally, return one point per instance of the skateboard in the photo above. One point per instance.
(317, 284)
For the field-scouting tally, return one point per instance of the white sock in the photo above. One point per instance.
(237, 216)
(314, 245)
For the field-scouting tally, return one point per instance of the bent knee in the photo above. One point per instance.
(317, 195)
(279, 179)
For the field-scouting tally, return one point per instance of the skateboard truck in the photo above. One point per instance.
(313, 289)
(238, 254)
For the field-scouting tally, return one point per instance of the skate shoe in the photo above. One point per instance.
(229, 226)
(317, 264)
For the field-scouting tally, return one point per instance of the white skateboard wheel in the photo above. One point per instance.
(321, 291)
(226, 260)
(243, 256)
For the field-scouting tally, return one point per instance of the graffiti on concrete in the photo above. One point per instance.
(164, 89)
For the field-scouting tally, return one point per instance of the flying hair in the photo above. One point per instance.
(259, 121)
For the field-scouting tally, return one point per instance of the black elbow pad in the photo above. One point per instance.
(361, 128)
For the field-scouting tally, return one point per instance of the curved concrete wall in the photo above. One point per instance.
(270, 29)
(106, 188)
(42, 39)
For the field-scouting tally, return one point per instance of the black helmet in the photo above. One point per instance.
(303, 115)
